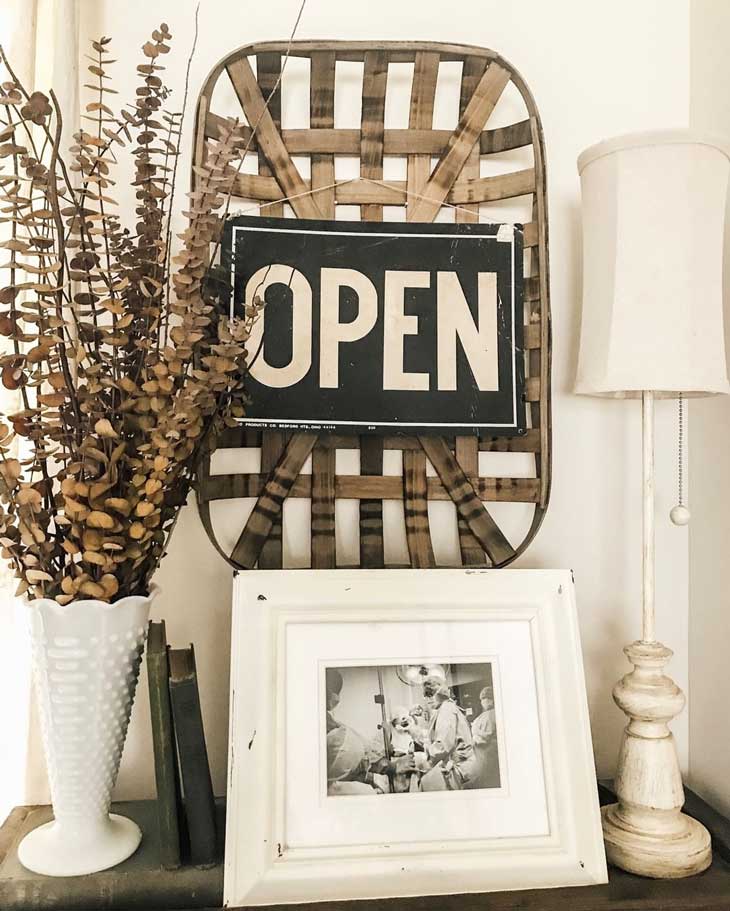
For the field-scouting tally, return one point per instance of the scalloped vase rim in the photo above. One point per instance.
(52, 605)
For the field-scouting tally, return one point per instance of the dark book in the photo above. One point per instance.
(163, 743)
(197, 789)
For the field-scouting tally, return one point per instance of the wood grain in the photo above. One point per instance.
(468, 503)
(323, 508)
(270, 142)
(472, 121)
(375, 80)
(466, 448)
(420, 117)
(467, 457)
(471, 74)
(268, 73)
(268, 506)
(140, 883)
(237, 437)
(272, 449)
(372, 487)
(415, 498)
(398, 142)
(540, 358)
(371, 506)
(395, 192)
(374, 86)
(322, 117)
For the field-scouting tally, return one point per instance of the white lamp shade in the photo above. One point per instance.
(653, 221)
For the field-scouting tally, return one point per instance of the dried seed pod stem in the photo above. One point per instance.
(120, 383)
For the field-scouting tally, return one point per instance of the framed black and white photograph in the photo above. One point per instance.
(407, 732)
(410, 728)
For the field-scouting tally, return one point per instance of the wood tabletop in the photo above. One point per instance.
(139, 884)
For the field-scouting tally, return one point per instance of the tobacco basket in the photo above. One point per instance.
(486, 162)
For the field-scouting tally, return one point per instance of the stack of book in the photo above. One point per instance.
(185, 802)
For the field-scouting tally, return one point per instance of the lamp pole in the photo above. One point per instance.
(647, 433)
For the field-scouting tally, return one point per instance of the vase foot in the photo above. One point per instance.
(53, 850)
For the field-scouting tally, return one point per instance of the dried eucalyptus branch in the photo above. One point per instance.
(121, 383)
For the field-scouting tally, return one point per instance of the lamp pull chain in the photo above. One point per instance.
(680, 515)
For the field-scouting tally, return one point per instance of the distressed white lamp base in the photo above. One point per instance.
(686, 854)
(61, 849)
(646, 832)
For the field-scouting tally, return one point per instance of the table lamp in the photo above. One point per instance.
(653, 208)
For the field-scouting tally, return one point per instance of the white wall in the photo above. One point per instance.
(709, 640)
(626, 67)
(29, 29)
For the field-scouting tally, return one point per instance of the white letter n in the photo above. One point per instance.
(455, 320)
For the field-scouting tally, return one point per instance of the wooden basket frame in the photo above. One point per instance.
(455, 180)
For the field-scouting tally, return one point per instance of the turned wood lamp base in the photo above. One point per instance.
(686, 853)
(646, 832)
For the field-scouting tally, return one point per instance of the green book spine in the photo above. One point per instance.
(197, 787)
(163, 742)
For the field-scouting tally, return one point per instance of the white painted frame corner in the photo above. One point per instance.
(260, 867)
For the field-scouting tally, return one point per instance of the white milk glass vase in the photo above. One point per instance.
(86, 661)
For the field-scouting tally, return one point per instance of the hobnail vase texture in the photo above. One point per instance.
(86, 662)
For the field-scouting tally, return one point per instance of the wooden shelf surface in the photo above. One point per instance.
(139, 884)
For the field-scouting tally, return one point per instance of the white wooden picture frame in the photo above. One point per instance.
(290, 839)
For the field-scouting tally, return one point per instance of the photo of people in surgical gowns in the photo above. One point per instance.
(408, 729)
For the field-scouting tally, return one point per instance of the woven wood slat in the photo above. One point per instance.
(492, 189)
(356, 50)
(323, 508)
(237, 437)
(532, 291)
(466, 449)
(268, 71)
(533, 335)
(372, 487)
(272, 449)
(533, 392)
(322, 116)
(329, 141)
(203, 479)
(472, 73)
(530, 442)
(540, 360)
(270, 501)
(270, 141)
(415, 481)
(415, 496)
(372, 550)
(423, 93)
(395, 192)
(468, 505)
(375, 80)
(457, 181)
(481, 105)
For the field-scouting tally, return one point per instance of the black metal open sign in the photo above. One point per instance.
(381, 327)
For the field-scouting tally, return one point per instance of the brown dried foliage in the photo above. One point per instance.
(121, 383)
